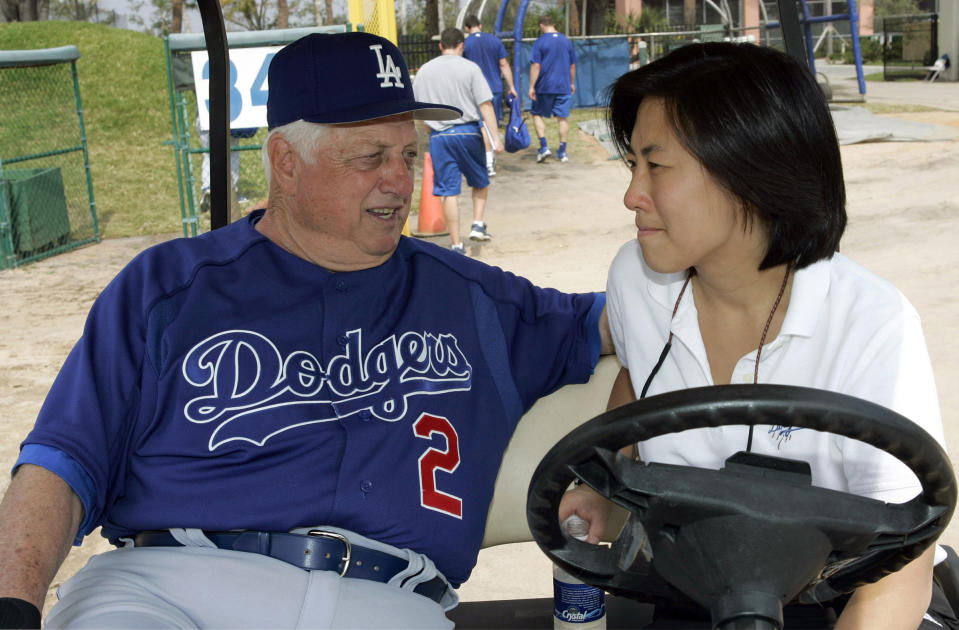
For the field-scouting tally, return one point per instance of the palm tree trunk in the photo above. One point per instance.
(574, 25)
(689, 14)
(432, 18)
(176, 24)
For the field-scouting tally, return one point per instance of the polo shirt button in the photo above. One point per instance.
(365, 415)
(343, 340)
(747, 378)
(340, 285)
(366, 485)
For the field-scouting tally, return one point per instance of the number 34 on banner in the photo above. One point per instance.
(248, 86)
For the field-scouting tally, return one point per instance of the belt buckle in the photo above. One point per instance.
(319, 533)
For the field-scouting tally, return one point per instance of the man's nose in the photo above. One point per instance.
(397, 176)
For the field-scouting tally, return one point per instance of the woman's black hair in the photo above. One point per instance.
(760, 125)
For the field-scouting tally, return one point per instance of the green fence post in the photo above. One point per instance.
(86, 154)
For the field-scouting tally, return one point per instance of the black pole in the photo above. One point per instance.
(792, 34)
(214, 32)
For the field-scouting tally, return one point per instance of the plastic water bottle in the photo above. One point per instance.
(576, 605)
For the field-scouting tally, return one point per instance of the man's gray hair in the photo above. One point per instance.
(304, 136)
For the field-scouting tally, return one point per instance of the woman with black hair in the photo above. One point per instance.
(739, 202)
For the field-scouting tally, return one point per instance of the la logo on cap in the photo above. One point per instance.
(388, 69)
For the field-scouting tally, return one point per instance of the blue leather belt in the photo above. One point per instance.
(317, 550)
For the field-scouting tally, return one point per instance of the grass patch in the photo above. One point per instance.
(126, 112)
(895, 108)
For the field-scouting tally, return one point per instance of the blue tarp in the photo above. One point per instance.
(599, 62)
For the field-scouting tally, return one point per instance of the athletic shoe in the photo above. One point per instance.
(458, 248)
(562, 156)
(479, 233)
(205, 200)
(490, 170)
(242, 199)
(542, 154)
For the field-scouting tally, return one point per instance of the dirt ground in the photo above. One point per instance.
(559, 225)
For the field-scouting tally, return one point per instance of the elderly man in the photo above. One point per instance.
(296, 420)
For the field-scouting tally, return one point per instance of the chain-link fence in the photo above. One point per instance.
(46, 193)
(417, 50)
(910, 45)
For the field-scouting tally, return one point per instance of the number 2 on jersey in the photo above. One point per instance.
(447, 460)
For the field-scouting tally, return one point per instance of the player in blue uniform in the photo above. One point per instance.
(552, 82)
(487, 51)
(296, 420)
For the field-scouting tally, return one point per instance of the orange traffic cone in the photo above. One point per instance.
(431, 220)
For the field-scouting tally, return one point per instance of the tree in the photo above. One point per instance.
(689, 14)
(164, 17)
(574, 26)
(432, 13)
(260, 15)
(885, 8)
(176, 24)
(25, 10)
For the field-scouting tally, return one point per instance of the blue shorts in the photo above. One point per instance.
(456, 152)
(547, 105)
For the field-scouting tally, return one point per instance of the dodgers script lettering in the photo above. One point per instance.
(251, 392)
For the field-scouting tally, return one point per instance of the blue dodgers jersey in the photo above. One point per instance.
(223, 383)
(485, 50)
(555, 54)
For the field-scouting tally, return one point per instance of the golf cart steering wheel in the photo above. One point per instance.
(745, 540)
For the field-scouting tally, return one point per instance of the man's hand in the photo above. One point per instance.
(489, 122)
(533, 78)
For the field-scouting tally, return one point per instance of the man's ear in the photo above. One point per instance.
(283, 162)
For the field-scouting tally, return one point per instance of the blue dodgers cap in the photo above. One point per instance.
(342, 78)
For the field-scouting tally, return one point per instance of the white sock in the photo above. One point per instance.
(489, 158)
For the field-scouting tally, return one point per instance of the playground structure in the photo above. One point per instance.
(798, 39)
(851, 16)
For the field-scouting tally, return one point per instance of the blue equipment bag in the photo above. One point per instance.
(517, 135)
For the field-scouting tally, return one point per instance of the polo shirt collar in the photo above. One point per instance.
(809, 291)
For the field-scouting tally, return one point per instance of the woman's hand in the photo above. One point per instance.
(590, 506)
